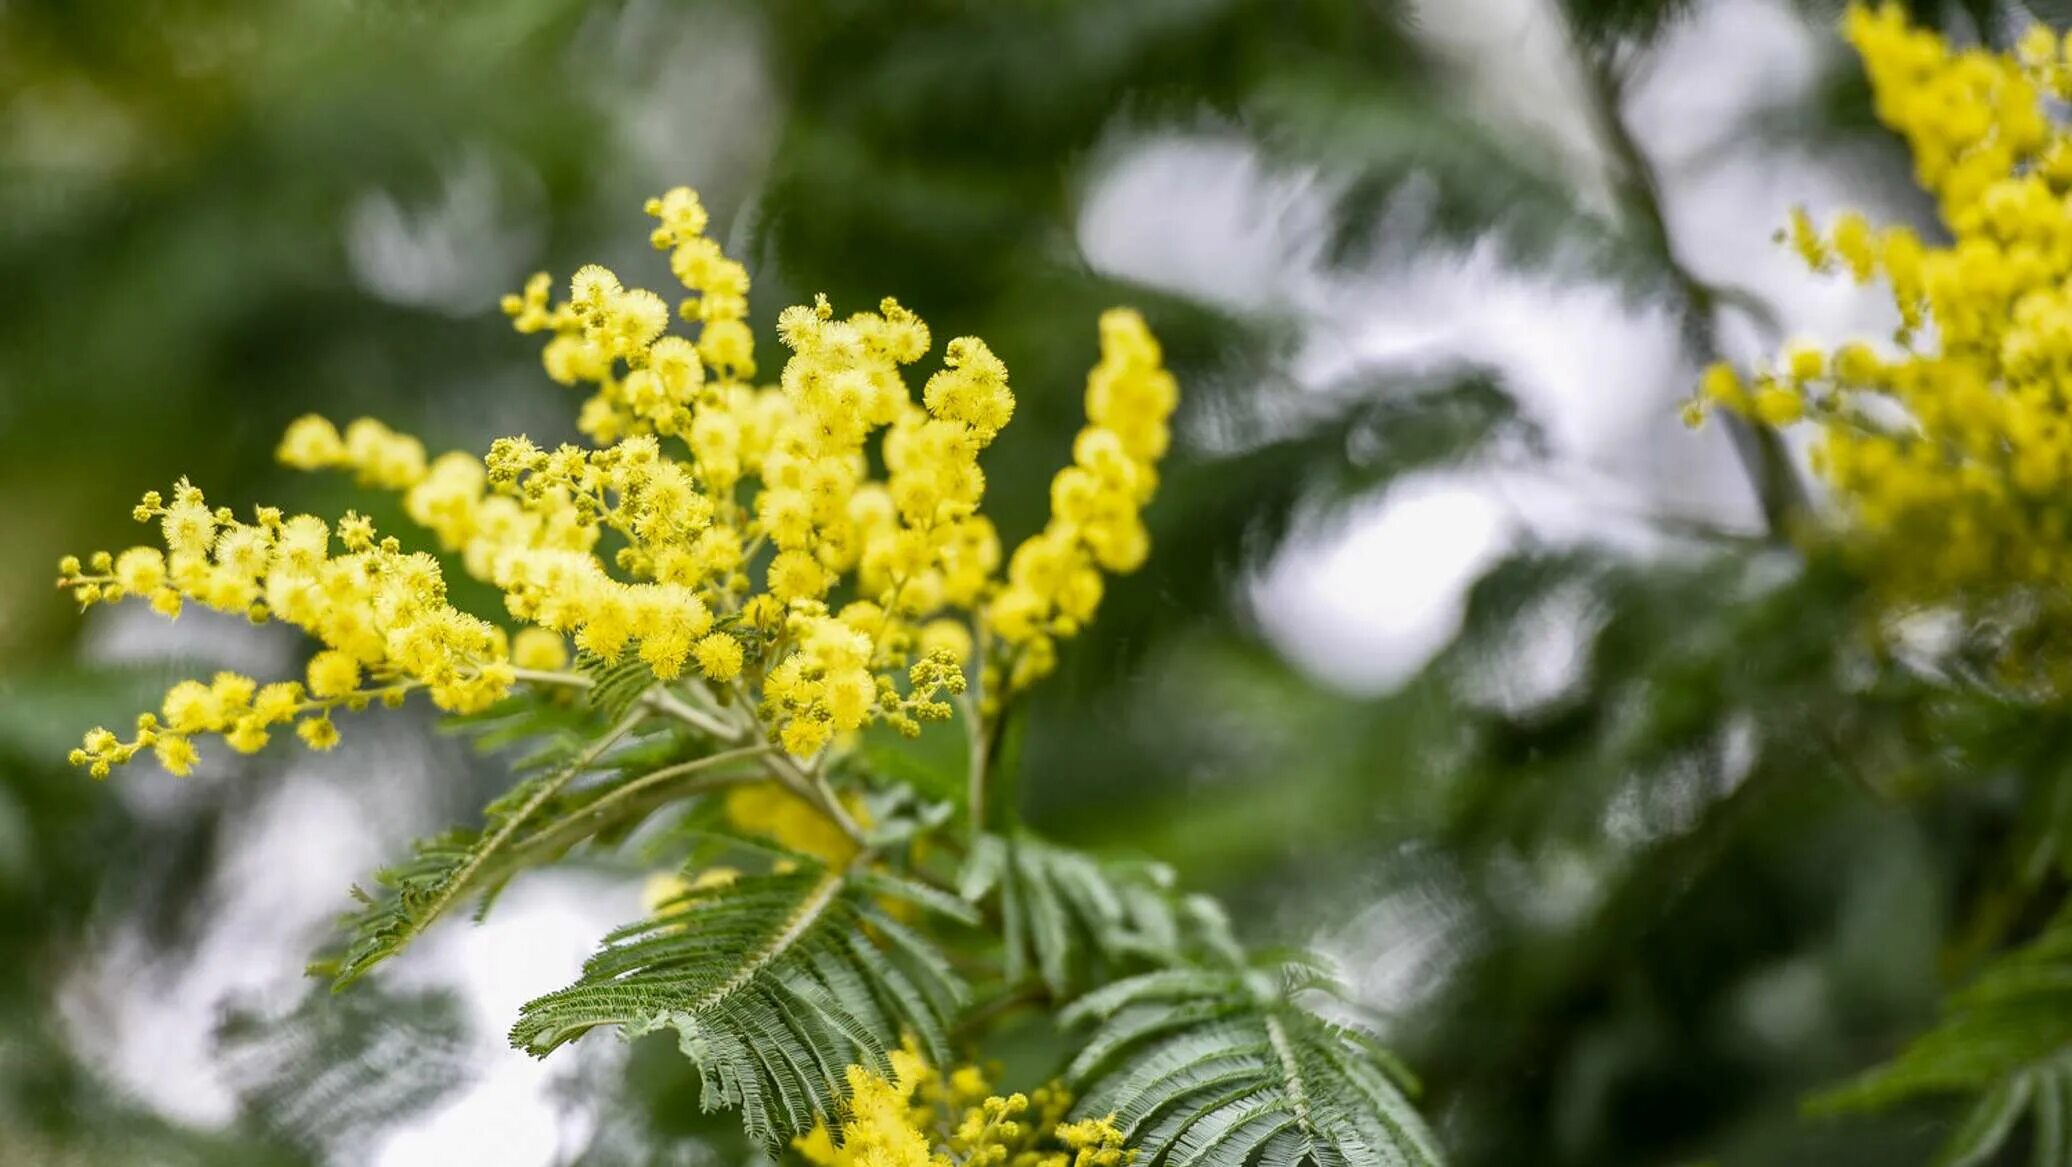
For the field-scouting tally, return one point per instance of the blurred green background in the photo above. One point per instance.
(1456, 655)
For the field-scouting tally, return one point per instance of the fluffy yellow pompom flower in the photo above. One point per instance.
(918, 1117)
(380, 613)
(1950, 451)
(719, 656)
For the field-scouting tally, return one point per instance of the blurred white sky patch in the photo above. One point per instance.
(691, 100)
(457, 253)
(1364, 602)
(511, 1114)
(1512, 69)
(1418, 926)
(149, 1018)
(1365, 598)
(480, 233)
(1201, 212)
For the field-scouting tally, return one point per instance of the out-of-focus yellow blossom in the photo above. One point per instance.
(920, 1118)
(775, 813)
(1949, 452)
(537, 648)
(793, 562)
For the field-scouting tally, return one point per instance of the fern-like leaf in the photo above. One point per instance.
(774, 984)
(335, 1072)
(2006, 1037)
(449, 869)
(1072, 918)
(1224, 1068)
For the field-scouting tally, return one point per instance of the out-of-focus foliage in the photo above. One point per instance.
(333, 1073)
(1958, 404)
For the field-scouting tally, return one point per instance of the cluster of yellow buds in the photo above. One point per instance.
(235, 706)
(1950, 451)
(1054, 580)
(611, 336)
(810, 554)
(921, 1118)
(380, 612)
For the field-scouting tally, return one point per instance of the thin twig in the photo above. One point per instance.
(661, 700)
(553, 677)
(1778, 492)
(815, 791)
(646, 782)
(812, 788)
(975, 753)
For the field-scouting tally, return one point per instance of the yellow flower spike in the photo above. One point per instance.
(1804, 362)
(903, 1120)
(190, 707)
(138, 570)
(1855, 245)
(1776, 406)
(1721, 385)
(248, 735)
(682, 217)
(2038, 47)
(591, 292)
(1804, 238)
(333, 674)
(528, 310)
(1054, 579)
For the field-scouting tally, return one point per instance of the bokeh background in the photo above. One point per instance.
(1458, 657)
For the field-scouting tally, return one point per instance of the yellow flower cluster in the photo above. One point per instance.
(1054, 579)
(919, 1118)
(791, 822)
(611, 336)
(1950, 453)
(380, 612)
(804, 559)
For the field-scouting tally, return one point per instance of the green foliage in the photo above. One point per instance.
(2004, 1038)
(1467, 183)
(1607, 20)
(773, 983)
(462, 864)
(1227, 1067)
(1076, 921)
(1718, 705)
(336, 1070)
